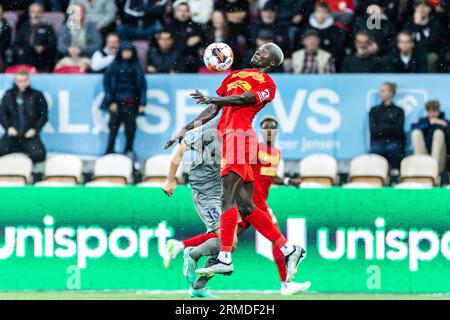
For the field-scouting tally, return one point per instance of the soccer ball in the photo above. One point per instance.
(218, 57)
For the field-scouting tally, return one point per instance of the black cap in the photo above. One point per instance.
(269, 5)
(311, 32)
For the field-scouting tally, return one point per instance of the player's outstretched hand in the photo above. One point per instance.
(169, 187)
(178, 138)
(201, 99)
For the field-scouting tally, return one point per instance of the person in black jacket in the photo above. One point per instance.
(125, 95)
(23, 113)
(189, 38)
(430, 134)
(35, 43)
(407, 58)
(386, 121)
(163, 58)
(140, 19)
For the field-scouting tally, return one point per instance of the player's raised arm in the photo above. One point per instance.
(204, 117)
(247, 98)
(171, 182)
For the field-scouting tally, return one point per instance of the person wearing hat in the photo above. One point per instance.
(311, 59)
(125, 95)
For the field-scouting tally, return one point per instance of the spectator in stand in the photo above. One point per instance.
(104, 57)
(430, 134)
(238, 16)
(362, 61)
(79, 41)
(163, 58)
(23, 113)
(125, 96)
(35, 43)
(5, 39)
(219, 31)
(343, 11)
(54, 5)
(188, 38)
(312, 59)
(141, 19)
(386, 122)
(292, 15)
(333, 39)
(201, 11)
(101, 12)
(427, 32)
(408, 58)
(383, 37)
(268, 16)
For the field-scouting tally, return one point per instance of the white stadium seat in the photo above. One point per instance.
(65, 169)
(15, 170)
(418, 170)
(156, 170)
(368, 171)
(103, 184)
(113, 168)
(318, 170)
(54, 184)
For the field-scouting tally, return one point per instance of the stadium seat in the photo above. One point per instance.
(103, 184)
(114, 169)
(156, 169)
(368, 171)
(142, 49)
(62, 170)
(69, 70)
(318, 170)
(15, 170)
(20, 67)
(56, 20)
(418, 171)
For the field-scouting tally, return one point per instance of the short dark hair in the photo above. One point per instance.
(165, 30)
(268, 118)
(392, 86)
(433, 105)
(323, 5)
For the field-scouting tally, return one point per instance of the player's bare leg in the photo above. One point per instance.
(262, 222)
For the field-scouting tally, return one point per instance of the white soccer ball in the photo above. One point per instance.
(218, 57)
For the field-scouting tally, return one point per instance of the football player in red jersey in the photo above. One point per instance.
(242, 95)
(268, 170)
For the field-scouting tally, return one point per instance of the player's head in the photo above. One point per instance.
(267, 57)
(269, 129)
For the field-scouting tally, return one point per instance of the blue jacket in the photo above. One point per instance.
(427, 128)
(124, 80)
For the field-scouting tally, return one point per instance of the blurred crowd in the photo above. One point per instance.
(323, 36)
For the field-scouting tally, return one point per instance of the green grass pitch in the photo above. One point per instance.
(222, 295)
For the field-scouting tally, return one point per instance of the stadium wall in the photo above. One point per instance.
(317, 114)
(383, 240)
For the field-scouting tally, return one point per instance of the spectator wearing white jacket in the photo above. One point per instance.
(102, 12)
(104, 57)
